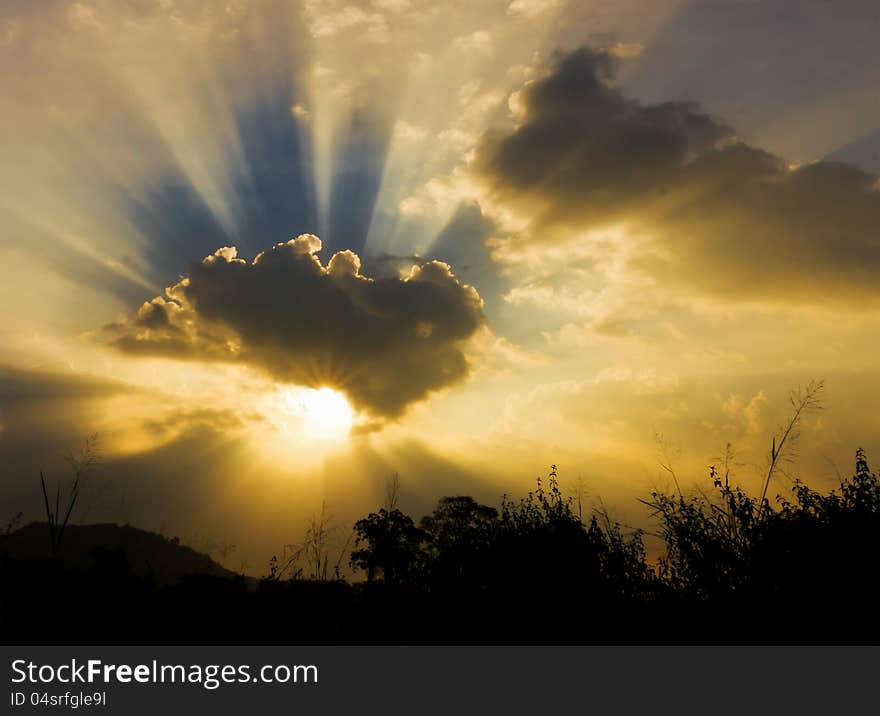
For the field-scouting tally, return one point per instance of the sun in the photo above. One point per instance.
(321, 413)
(298, 427)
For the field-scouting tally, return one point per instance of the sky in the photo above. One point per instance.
(274, 252)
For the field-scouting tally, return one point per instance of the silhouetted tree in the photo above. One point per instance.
(461, 538)
(389, 544)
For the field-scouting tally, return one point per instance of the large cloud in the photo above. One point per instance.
(715, 214)
(385, 343)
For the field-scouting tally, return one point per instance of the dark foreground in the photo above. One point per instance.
(736, 569)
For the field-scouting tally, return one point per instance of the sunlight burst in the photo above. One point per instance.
(299, 427)
(323, 412)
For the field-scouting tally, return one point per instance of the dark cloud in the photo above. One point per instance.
(721, 216)
(54, 383)
(385, 342)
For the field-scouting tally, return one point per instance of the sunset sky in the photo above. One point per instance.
(274, 252)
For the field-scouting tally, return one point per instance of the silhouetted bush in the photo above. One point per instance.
(810, 561)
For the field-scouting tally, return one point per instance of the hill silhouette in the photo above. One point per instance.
(87, 549)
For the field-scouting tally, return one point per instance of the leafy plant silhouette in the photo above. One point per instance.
(712, 539)
(58, 517)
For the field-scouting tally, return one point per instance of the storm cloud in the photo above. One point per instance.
(712, 213)
(385, 342)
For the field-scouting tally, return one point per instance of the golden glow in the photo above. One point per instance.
(589, 355)
(323, 413)
(297, 428)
